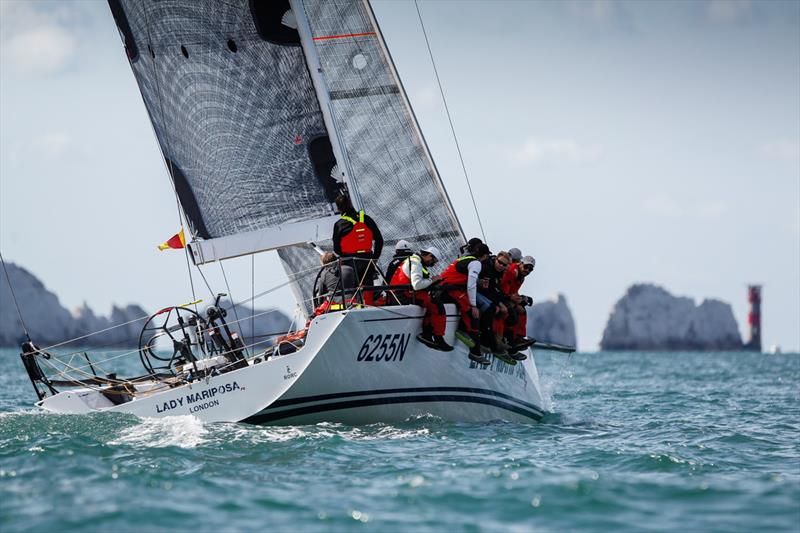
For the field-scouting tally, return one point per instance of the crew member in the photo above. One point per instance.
(414, 271)
(402, 251)
(492, 303)
(511, 283)
(463, 274)
(358, 242)
(329, 282)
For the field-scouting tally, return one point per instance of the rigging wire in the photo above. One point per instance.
(210, 290)
(230, 294)
(14, 297)
(450, 120)
(252, 296)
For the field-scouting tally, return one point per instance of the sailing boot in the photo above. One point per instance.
(476, 355)
(428, 340)
(501, 344)
(441, 344)
(518, 356)
(498, 346)
(522, 343)
(501, 351)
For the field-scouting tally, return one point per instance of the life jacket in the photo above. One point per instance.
(401, 278)
(359, 240)
(511, 282)
(458, 271)
(393, 265)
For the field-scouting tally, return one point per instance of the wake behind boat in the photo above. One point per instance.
(265, 111)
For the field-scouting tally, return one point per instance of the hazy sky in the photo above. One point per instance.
(617, 142)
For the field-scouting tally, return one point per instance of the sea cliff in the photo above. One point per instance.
(49, 322)
(648, 317)
(551, 321)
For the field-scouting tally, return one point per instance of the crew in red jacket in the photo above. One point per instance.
(463, 273)
(358, 242)
(414, 271)
(512, 281)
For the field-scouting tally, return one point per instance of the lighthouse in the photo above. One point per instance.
(754, 318)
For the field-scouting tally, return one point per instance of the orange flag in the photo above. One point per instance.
(177, 241)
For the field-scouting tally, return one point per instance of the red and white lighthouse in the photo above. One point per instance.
(754, 317)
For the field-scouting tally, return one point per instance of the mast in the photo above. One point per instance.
(323, 96)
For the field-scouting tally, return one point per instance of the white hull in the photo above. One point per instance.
(357, 367)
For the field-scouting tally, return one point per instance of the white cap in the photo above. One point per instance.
(515, 254)
(528, 260)
(402, 245)
(434, 251)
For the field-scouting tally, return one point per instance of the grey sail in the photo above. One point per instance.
(390, 171)
(236, 116)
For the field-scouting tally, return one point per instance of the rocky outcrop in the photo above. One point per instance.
(551, 321)
(47, 321)
(264, 323)
(121, 328)
(50, 323)
(650, 318)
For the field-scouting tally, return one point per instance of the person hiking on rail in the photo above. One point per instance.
(492, 303)
(463, 275)
(414, 271)
(516, 326)
(358, 242)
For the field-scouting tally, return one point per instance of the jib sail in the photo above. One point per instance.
(390, 170)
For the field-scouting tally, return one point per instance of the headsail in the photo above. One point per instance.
(391, 172)
(237, 118)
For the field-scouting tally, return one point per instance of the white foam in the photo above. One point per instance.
(181, 431)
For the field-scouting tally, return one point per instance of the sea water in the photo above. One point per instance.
(636, 442)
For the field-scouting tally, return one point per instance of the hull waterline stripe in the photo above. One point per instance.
(266, 417)
(338, 395)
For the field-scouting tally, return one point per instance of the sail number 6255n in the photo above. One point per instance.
(389, 347)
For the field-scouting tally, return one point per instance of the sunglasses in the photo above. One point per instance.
(501, 263)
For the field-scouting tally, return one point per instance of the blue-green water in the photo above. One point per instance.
(639, 441)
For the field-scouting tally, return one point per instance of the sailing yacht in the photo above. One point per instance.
(264, 111)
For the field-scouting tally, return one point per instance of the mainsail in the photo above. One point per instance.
(237, 118)
(261, 108)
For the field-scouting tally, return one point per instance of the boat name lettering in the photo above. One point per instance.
(497, 365)
(388, 348)
(195, 408)
(196, 397)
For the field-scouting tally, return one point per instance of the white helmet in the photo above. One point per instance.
(402, 245)
(434, 251)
